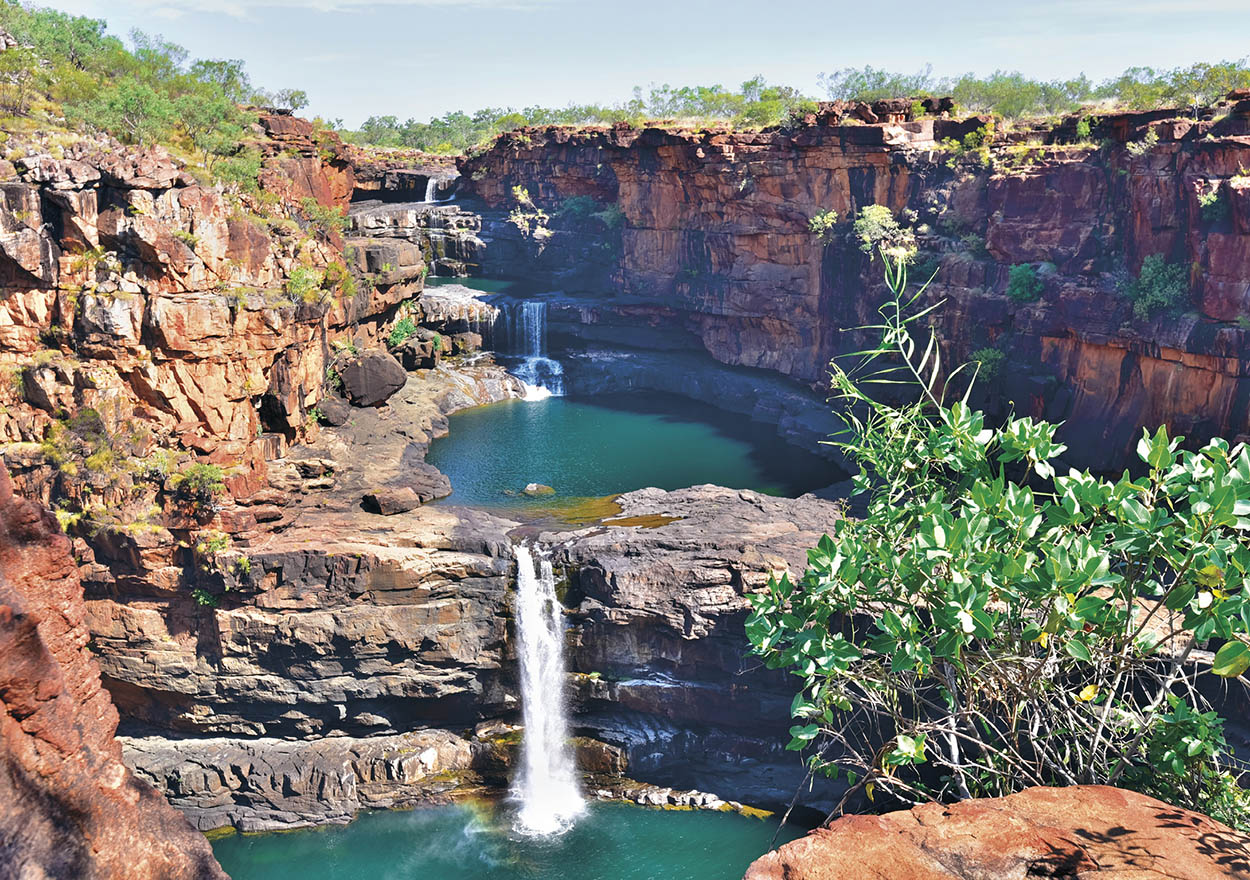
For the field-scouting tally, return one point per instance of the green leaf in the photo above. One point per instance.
(1076, 648)
(1232, 659)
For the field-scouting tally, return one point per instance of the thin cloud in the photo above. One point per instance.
(239, 9)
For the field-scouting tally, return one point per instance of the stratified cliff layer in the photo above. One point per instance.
(714, 242)
(69, 808)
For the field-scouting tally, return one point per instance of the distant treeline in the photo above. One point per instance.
(757, 104)
(67, 71)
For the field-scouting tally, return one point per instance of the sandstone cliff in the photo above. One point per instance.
(69, 808)
(713, 243)
(1079, 832)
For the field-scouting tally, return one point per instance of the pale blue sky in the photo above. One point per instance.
(420, 58)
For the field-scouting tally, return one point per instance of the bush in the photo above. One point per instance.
(1212, 207)
(304, 285)
(991, 361)
(401, 332)
(1160, 287)
(988, 625)
(879, 232)
(1023, 285)
(198, 486)
(130, 109)
(1145, 145)
(822, 226)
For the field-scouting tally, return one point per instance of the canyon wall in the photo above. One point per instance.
(70, 809)
(713, 245)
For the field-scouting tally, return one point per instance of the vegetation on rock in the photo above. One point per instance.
(1023, 285)
(1159, 287)
(990, 624)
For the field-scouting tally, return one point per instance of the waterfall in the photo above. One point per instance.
(546, 786)
(431, 189)
(527, 336)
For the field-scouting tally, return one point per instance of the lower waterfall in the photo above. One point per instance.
(526, 327)
(546, 786)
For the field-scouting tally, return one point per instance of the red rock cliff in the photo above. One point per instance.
(69, 808)
(716, 238)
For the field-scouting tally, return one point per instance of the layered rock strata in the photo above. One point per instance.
(69, 808)
(713, 238)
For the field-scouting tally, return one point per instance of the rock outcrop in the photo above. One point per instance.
(1079, 832)
(714, 248)
(69, 808)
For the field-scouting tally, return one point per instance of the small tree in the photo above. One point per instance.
(132, 110)
(991, 625)
(1023, 285)
(1160, 287)
(878, 231)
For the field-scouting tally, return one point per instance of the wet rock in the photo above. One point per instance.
(370, 378)
(536, 489)
(1078, 831)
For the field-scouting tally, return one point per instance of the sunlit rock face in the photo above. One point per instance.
(714, 252)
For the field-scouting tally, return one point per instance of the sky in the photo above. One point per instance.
(422, 58)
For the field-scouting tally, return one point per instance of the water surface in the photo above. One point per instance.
(613, 842)
(586, 448)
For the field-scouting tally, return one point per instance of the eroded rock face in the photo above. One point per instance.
(69, 808)
(659, 600)
(266, 784)
(1077, 832)
(715, 253)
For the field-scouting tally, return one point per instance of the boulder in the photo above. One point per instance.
(419, 354)
(371, 377)
(1080, 832)
(334, 411)
(535, 489)
(389, 502)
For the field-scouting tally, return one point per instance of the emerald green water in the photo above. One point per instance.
(613, 842)
(611, 444)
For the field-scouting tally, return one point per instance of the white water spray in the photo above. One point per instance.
(546, 786)
(527, 335)
(431, 189)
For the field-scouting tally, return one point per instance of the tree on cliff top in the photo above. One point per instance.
(990, 624)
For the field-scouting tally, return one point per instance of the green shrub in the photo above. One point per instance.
(1023, 285)
(198, 486)
(986, 625)
(1212, 207)
(1083, 128)
(304, 284)
(878, 232)
(241, 171)
(577, 208)
(991, 361)
(1145, 145)
(1160, 287)
(401, 332)
(822, 226)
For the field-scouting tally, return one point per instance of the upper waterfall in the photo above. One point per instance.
(546, 785)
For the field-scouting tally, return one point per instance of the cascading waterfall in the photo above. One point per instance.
(527, 336)
(546, 786)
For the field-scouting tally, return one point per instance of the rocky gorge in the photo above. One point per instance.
(319, 638)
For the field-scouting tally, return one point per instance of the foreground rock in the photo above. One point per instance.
(69, 808)
(1077, 833)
